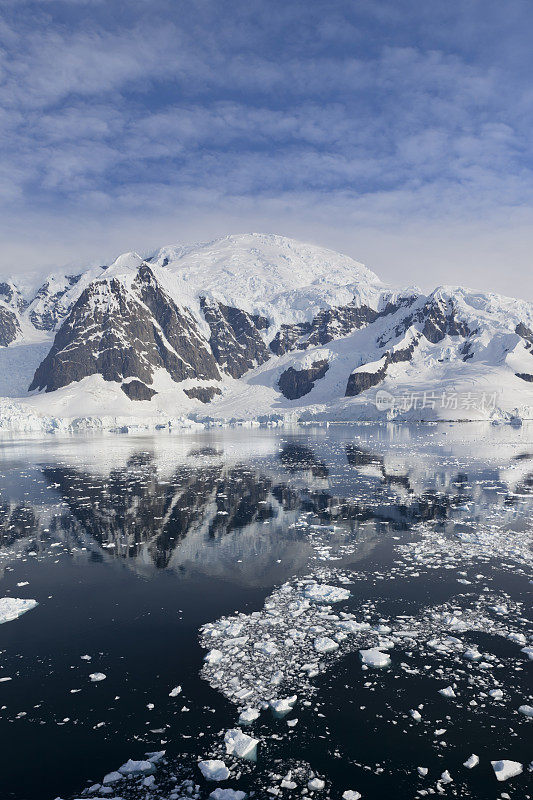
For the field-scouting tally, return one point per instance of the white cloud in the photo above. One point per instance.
(387, 120)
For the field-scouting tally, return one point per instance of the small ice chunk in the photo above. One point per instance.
(471, 762)
(240, 744)
(324, 593)
(350, 794)
(214, 656)
(175, 691)
(351, 626)
(496, 694)
(375, 658)
(526, 710)
(447, 692)
(446, 777)
(472, 654)
(422, 771)
(97, 676)
(316, 784)
(415, 715)
(528, 651)
(214, 770)
(13, 607)
(283, 705)
(227, 794)
(132, 767)
(248, 716)
(505, 769)
(112, 777)
(323, 644)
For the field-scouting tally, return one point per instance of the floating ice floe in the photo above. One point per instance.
(95, 677)
(374, 658)
(350, 794)
(175, 692)
(112, 777)
(506, 769)
(323, 644)
(471, 762)
(214, 656)
(284, 705)
(213, 770)
(324, 593)
(316, 784)
(248, 715)
(13, 607)
(526, 710)
(227, 794)
(240, 744)
(447, 692)
(132, 767)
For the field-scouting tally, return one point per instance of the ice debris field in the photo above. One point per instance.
(394, 660)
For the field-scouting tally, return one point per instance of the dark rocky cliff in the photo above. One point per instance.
(125, 333)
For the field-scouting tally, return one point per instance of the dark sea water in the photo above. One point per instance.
(130, 544)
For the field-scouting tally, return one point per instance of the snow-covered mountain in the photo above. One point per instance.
(256, 327)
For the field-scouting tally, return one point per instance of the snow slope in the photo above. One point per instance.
(281, 278)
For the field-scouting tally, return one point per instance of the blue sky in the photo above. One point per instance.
(397, 131)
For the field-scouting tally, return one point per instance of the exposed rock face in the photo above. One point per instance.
(180, 330)
(137, 390)
(361, 381)
(295, 383)
(203, 393)
(46, 308)
(11, 296)
(436, 320)
(331, 323)
(466, 350)
(402, 354)
(9, 326)
(120, 333)
(525, 376)
(526, 333)
(235, 339)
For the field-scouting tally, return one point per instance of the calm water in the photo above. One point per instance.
(131, 544)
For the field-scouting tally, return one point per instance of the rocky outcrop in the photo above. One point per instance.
(120, 333)
(137, 390)
(401, 354)
(329, 324)
(361, 381)
(295, 383)
(235, 339)
(9, 326)
(526, 333)
(46, 309)
(436, 319)
(525, 376)
(11, 296)
(202, 393)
